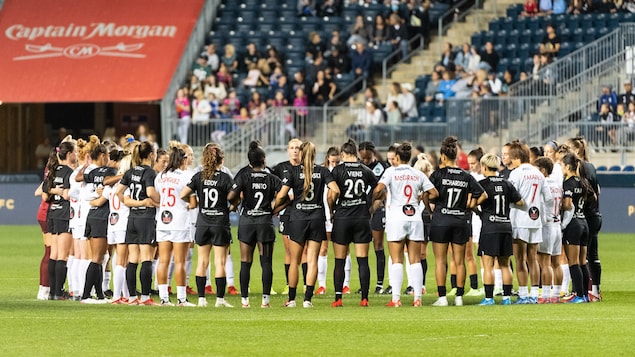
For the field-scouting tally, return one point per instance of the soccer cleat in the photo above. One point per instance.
(285, 291)
(337, 303)
(244, 302)
(265, 305)
(506, 301)
(149, 302)
(272, 292)
(209, 290)
(475, 292)
(388, 290)
(320, 291)
(522, 301)
(542, 300)
(442, 301)
(458, 301)
(359, 291)
(307, 304)
(576, 300)
(379, 290)
(594, 298)
(409, 291)
(346, 290)
(498, 291)
(190, 291)
(185, 303)
(532, 300)
(568, 297)
(289, 303)
(166, 303)
(88, 301)
(108, 294)
(416, 303)
(133, 301)
(232, 291)
(394, 303)
(486, 302)
(554, 300)
(121, 301)
(222, 303)
(202, 302)
(364, 303)
(451, 292)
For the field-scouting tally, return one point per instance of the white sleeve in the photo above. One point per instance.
(567, 216)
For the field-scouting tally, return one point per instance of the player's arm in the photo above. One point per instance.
(332, 195)
(111, 180)
(282, 199)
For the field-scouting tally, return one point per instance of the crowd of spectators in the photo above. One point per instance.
(615, 117)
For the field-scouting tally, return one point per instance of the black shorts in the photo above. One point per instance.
(347, 231)
(252, 233)
(96, 228)
(576, 233)
(449, 234)
(58, 226)
(141, 231)
(283, 228)
(215, 235)
(302, 231)
(496, 245)
(378, 220)
(43, 226)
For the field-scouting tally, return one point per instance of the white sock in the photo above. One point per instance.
(322, 268)
(566, 277)
(181, 295)
(119, 281)
(229, 271)
(416, 276)
(389, 272)
(546, 292)
(70, 273)
(347, 271)
(408, 274)
(188, 266)
(171, 269)
(163, 292)
(523, 292)
(155, 267)
(106, 283)
(83, 264)
(498, 279)
(396, 280)
(595, 290)
(533, 292)
(209, 270)
(555, 292)
(265, 299)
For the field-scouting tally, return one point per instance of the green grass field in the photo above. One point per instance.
(31, 327)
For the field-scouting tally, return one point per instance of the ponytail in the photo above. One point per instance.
(308, 160)
(212, 159)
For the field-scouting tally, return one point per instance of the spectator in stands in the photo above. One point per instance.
(462, 58)
(508, 81)
(299, 82)
(393, 113)
(314, 46)
(330, 8)
(408, 104)
(306, 8)
(243, 117)
(223, 126)
(42, 152)
(628, 96)
(447, 57)
(446, 84)
(628, 6)
(253, 106)
(358, 31)
(550, 44)
(628, 121)
(378, 31)
(578, 7)
(213, 87)
(251, 57)
(275, 76)
(559, 7)
(213, 61)
(214, 104)
(182, 105)
(365, 120)
(547, 75)
(432, 88)
(479, 81)
(398, 36)
(319, 64)
(490, 56)
(461, 87)
(255, 77)
(606, 6)
(300, 104)
(494, 83)
(201, 108)
(530, 8)
(606, 130)
(200, 68)
(229, 59)
(417, 19)
(535, 67)
(475, 61)
(282, 86)
(394, 94)
(323, 89)
(224, 77)
(233, 103)
(195, 83)
(336, 42)
(608, 97)
(274, 59)
(545, 7)
(337, 61)
(361, 61)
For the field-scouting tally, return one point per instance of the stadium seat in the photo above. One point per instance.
(602, 168)
(476, 40)
(495, 25)
(564, 34)
(629, 168)
(425, 109)
(576, 36)
(615, 168)
(599, 20)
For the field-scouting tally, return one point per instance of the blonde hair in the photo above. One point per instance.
(423, 164)
(212, 160)
(308, 160)
(229, 49)
(86, 147)
(490, 161)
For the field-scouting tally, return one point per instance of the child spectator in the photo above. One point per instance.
(446, 84)
(224, 77)
(232, 103)
(213, 87)
(393, 113)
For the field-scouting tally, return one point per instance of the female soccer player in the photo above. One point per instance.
(306, 217)
(575, 236)
(45, 287)
(458, 192)
(212, 186)
(495, 243)
(424, 165)
(173, 234)
(474, 160)
(56, 188)
(406, 186)
(258, 189)
(142, 200)
(331, 160)
(351, 222)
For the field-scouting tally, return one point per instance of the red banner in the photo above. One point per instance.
(92, 51)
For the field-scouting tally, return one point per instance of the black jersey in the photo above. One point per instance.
(572, 188)
(495, 209)
(454, 185)
(310, 205)
(138, 179)
(213, 208)
(592, 208)
(378, 168)
(96, 178)
(59, 207)
(281, 170)
(355, 181)
(259, 189)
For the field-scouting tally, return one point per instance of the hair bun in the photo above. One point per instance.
(254, 145)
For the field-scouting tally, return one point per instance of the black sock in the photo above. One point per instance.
(99, 290)
(145, 276)
(245, 276)
(60, 277)
(91, 277)
(267, 273)
(424, 267)
(52, 280)
(576, 279)
(286, 272)
(585, 279)
(131, 278)
(292, 293)
(200, 285)
(364, 275)
(381, 266)
(460, 291)
(473, 281)
(221, 284)
(442, 291)
(489, 291)
(305, 268)
(596, 272)
(453, 281)
(507, 290)
(338, 275)
(308, 295)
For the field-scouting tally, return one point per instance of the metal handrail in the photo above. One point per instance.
(384, 64)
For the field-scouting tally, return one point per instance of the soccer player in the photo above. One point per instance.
(424, 165)
(45, 287)
(351, 222)
(306, 217)
(495, 243)
(527, 222)
(213, 230)
(406, 186)
(331, 160)
(457, 194)
(258, 189)
(474, 160)
(142, 199)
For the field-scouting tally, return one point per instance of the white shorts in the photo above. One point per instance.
(183, 236)
(397, 231)
(476, 228)
(329, 226)
(79, 231)
(116, 237)
(528, 235)
(551, 240)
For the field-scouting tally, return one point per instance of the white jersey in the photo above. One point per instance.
(530, 183)
(193, 212)
(552, 211)
(173, 211)
(118, 217)
(405, 184)
(556, 173)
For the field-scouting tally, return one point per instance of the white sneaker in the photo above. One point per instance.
(458, 301)
(202, 302)
(265, 305)
(166, 303)
(442, 301)
(289, 303)
(185, 303)
(307, 304)
(89, 301)
(222, 303)
(245, 303)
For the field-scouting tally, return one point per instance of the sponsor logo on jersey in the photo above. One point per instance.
(409, 210)
(114, 218)
(534, 213)
(166, 217)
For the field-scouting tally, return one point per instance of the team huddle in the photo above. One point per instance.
(141, 210)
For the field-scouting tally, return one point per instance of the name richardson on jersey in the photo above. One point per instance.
(455, 183)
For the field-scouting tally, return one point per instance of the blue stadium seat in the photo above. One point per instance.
(602, 168)
(629, 168)
(477, 40)
(573, 21)
(438, 110)
(576, 36)
(495, 25)
(508, 24)
(503, 64)
(534, 24)
(523, 51)
(511, 50)
(615, 168)
(565, 49)
(526, 36)
(425, 109)
(564, 34)
(521, 24)
(599, 20)
(501, 37)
